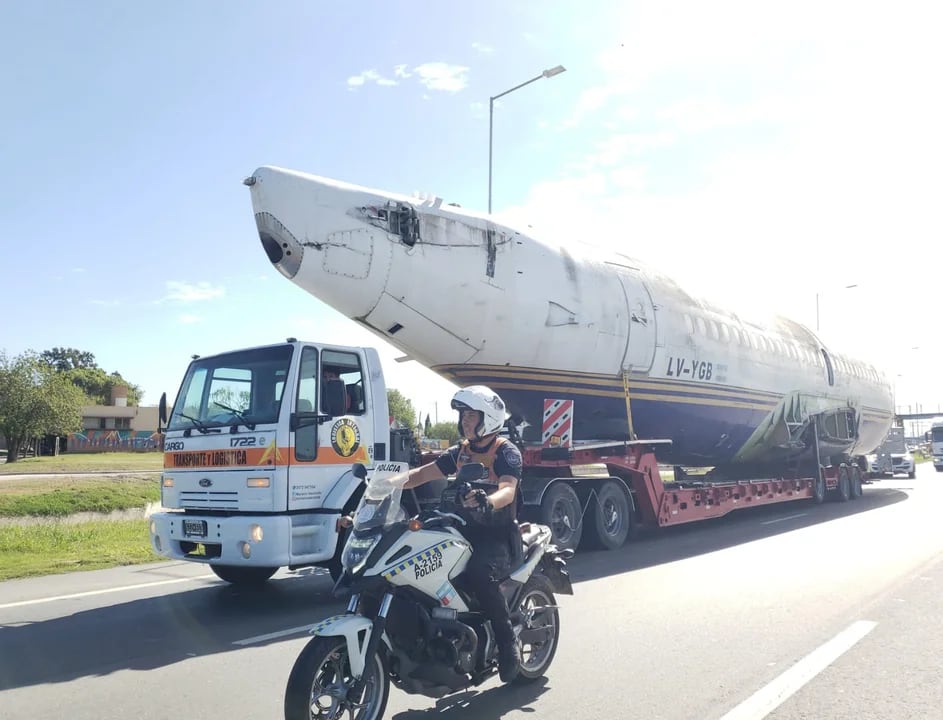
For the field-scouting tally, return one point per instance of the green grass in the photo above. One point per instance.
(55, 547)
(85, 462)
(62, 495)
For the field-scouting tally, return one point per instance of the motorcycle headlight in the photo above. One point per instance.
(357, 550)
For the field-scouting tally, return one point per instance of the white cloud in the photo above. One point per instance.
(355, 81)
(190, 319)
(443, 76)
(192, 292)
(482, 48)
(440, 76)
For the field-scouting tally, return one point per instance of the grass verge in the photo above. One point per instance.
(54, 547)
(61, 496)
(85, 462)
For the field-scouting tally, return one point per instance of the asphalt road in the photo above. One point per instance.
(791, 612)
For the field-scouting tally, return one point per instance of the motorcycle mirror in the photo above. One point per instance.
(471, 472)
(359, 470)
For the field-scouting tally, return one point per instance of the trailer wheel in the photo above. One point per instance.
(855, 482)
(843, 493)
(818, 489)
(610, 517)
(560, 511)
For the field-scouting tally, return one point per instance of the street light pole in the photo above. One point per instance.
(549, 73)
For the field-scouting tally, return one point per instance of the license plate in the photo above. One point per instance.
(194, 528)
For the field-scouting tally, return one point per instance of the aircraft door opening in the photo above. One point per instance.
(642, 329)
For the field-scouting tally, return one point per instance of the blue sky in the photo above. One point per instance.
(760, 154)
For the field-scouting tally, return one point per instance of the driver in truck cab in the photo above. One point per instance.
(492, 513)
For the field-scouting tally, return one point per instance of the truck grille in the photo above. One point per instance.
(209, 499)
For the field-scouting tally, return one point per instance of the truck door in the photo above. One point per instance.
(325, 445)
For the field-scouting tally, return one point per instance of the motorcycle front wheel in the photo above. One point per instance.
(319, 680)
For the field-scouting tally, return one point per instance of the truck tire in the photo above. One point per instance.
(855, 482)
(818, 489)
(609, 517)
(843, 491)
(243, 576)
(560, 510)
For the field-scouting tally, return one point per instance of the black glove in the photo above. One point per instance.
(484, 502)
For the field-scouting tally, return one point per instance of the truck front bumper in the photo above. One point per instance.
(247, 540)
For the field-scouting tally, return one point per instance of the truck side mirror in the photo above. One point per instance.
(162, 409)
(359, 470)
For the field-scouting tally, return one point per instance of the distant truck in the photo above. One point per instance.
(259, 449)
(892, 457)
(935, 438)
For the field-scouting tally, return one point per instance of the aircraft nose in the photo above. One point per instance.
(283, 250)
(318, 233)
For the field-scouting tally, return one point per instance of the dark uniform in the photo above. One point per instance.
(491, 537)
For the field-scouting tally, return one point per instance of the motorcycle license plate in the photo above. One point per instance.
(194, 528)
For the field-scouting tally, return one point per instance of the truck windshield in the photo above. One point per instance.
(239, 388)
(936, 434)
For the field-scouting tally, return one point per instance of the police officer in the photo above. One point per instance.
(491, 515)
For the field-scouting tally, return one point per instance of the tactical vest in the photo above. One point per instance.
(502, 516)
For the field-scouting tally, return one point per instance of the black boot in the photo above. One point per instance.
(509, 652)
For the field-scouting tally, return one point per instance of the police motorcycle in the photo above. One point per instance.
(408, 622)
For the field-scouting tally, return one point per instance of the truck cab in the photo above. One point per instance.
(258, 451)
(935, 438)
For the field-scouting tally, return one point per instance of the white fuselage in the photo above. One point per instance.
(477, 301)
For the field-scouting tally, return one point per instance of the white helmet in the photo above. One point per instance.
(487, 402)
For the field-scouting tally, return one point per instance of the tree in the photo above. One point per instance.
(97, 385)
(80, 367)
(63, 359)
(35, 400)
(444, 431)
(401, 408)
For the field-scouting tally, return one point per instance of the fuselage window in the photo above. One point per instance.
(828, 367)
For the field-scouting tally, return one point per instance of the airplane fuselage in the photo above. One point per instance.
(480, 302)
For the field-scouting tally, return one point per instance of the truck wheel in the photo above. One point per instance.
(912, 474)
(560, 511)
(243, 575)
(843, 493)
(818, 489)
(855, 482)
(610, 517)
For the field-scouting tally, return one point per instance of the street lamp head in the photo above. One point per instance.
(553, 71)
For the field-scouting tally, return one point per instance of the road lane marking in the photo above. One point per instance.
(768, 698)
(788, 517)
(103, 591)
(272, 636)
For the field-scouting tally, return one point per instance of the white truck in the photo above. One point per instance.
(935, 438)
(258, 454)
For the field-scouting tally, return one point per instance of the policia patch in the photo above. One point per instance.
(345, 437)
